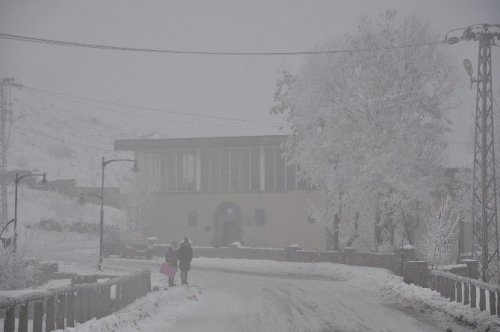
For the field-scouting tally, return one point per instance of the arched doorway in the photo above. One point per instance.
(228, 224)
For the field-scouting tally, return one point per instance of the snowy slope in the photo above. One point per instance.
(35, 205)
(64, 141)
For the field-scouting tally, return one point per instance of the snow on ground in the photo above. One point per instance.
(279, 294)
(248, 295)
(154, 312)
(390, 285)
(414, 296)
(35, 205)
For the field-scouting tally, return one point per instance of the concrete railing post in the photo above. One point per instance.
(493, 303)
(70, 309)
(482, 299)
(38, 316)
(50, 315)
(60, 306)
(459, 291)
(472, 295)
(9, 323)
(23, 317)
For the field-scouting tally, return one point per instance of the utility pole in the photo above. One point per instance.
(484, 188)
(5, 113)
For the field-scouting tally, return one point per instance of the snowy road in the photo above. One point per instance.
(253, 299)
(243, 295)
(258, 303)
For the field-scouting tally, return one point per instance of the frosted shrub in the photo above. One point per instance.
(15, 271)
(439, 241)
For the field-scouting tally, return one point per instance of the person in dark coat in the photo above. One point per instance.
(171, 258)
(185, 254)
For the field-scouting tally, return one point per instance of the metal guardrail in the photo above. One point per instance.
(466, 290)
(62, 307)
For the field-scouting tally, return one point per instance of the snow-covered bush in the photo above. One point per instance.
(15, 271)
(439, 239)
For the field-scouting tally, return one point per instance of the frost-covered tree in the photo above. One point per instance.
(368, 127)
(132, 201)
(439, 240)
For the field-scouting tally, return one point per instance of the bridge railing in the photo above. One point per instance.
(63, 307)
(467, 291)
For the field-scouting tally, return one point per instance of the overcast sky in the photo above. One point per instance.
(235, 87)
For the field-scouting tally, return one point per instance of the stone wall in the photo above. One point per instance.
(292, 254)
(417, 273)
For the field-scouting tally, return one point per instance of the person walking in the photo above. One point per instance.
(185, 254)
(171, 260)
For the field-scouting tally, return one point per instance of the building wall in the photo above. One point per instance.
(166, 217)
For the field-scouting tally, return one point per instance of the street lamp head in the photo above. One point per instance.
(135, 168)
(468, 67)
(44, 179)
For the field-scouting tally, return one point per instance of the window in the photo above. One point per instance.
(245, 170)
(235, 170)
(205, 170)
(269, 169)
(171, 171)
(186, 171)
(157, 171)
(153, 172)
(280, 171)
(214, 170)
(255, 169)
(224, 170)
(260, 217)
(143, 170)
(163, 172)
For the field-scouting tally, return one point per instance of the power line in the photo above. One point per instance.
(158, 118)
(152, 109)
(187, 52)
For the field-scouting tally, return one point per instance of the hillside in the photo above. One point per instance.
(64, 141)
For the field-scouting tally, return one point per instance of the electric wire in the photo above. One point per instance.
(69, 98)
(144, 107)
(159, 118)
(24, 38)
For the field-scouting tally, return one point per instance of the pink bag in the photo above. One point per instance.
(168, 270)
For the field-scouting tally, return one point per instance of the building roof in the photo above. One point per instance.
(198, 142)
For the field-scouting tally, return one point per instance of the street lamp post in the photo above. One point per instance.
(18, 179)
(135, 169)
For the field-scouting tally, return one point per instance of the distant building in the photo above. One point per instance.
(220, 190)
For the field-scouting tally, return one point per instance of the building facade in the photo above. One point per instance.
(220, 190)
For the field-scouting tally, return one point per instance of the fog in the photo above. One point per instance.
(248, 166)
